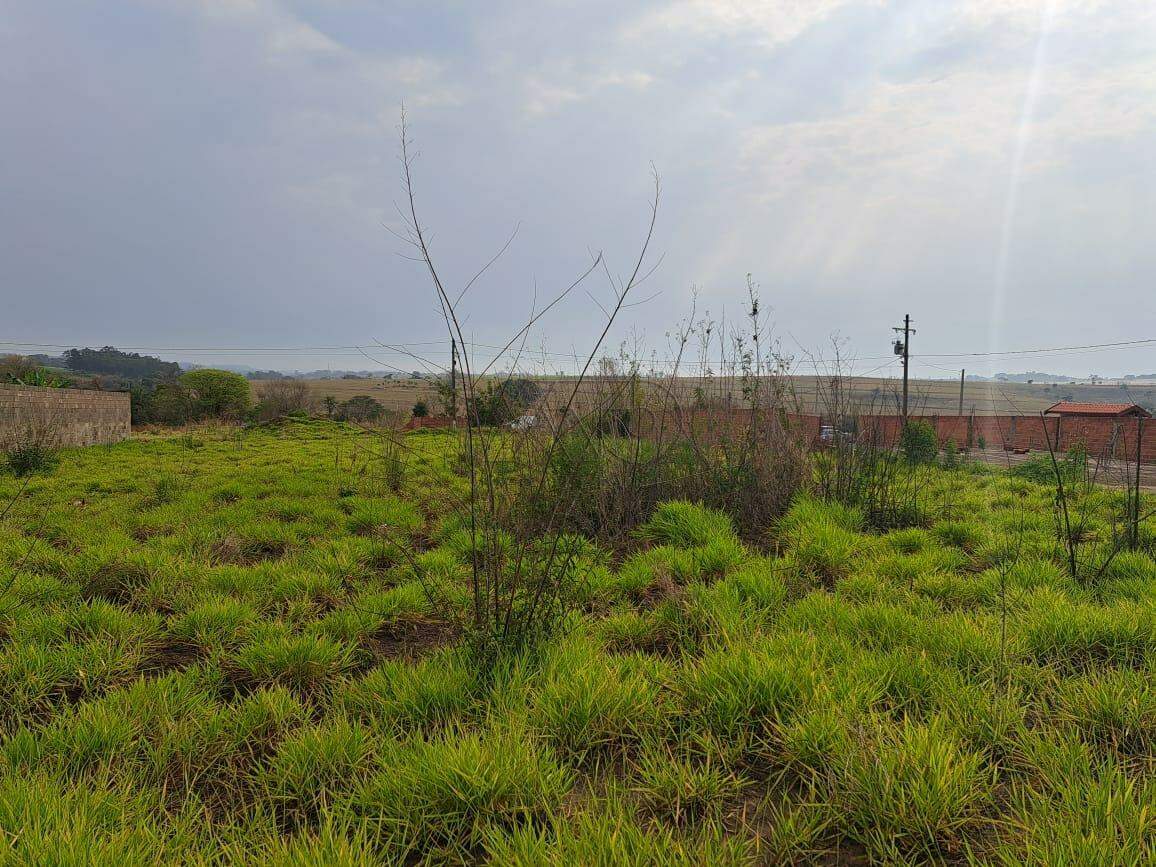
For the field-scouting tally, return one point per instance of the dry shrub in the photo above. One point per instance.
(30, 438)
(279, 398)
(859, 463)
(737, 445)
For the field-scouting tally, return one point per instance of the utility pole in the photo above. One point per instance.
(902, 348)
(962, 371)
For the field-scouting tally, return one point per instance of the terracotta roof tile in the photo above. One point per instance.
(1071, 407)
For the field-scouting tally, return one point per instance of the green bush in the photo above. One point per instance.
(360, 407)
(919, 443)
(498, 404)
(18, 370)
(28, 459)
(950, 455)
(167, 403)
(686, 525)
(1072, 467)
(420, 409)
(218, 393)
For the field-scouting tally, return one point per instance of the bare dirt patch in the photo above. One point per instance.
(661, 589)
(246, 552)
(173, 655)
(411, 638)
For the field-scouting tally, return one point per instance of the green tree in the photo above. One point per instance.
(497, 404)
(218, 393)
(447, 395)
(130, 365)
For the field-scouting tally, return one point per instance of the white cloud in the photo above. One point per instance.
(769, 22)
(913, 131)
(293, 40)
(551, 90)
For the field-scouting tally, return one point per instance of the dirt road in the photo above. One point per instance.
(1109, 472)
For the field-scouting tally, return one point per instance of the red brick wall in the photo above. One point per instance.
(62, 416)
(1098, 435)
(1103, 437)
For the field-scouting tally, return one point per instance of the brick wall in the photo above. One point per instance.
(1103, 437)
(62, 416)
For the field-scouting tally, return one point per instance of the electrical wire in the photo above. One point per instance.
(402, 348)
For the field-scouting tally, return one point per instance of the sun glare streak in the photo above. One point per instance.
(996, 317)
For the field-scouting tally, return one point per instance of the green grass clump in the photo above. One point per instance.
(301, 662)
(682, 791)
(444, 795)
(398, 697)
(1114, 711)
(823, 538)
(686, 525)
(744, 693)
(314, 766)
(615, 835)
(588, 703)
(912, 790)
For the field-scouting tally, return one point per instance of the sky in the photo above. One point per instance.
(218, 180)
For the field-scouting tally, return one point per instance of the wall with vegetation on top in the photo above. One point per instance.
(62, 416)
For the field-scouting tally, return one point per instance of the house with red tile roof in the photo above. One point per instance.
(1097, 410)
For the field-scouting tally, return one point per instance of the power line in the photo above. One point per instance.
(229, 348)
(1116, 345)
(353, 350)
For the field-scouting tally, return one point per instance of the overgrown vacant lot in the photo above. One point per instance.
(213, 651)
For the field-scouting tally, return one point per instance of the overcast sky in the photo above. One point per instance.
(223, 173)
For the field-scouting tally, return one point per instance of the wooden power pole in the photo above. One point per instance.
(903, 348)
(962, 371)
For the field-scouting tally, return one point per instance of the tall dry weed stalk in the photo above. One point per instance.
(1086, 550)
(521, 585)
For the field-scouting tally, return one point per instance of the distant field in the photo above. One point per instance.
(927, 396)
(393, 394)
(982, 398)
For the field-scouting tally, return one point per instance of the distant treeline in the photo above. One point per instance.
(110, 361)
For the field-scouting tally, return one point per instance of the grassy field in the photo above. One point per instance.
(396, 395)
(941, 397)
(212, 653)
(881, 395)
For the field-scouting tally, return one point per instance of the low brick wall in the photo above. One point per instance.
(62, 416)
(1102, 437)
